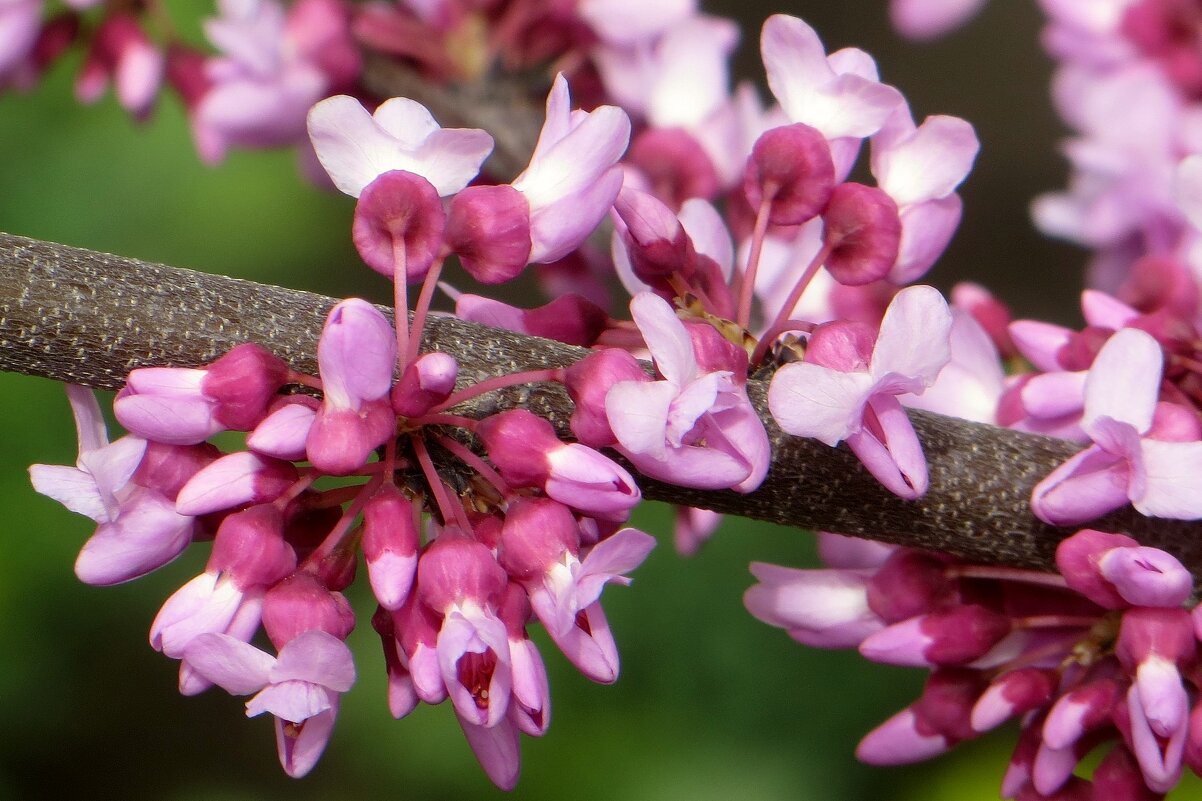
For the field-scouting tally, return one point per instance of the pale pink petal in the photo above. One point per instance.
(851, 106)
(356, 354)
(638, 415)
(353, 149)
(407, 121)
(627, 22)
(222, 484)
(299, 748)
(693, 75)
(709, 233)
(114, 465)
(1124, 380)
(73, 488)
(1173, 480)
(927, 228)
(560, 227)
(1085, 487)
(928, 165)
(666, 337)
(594, 653)
(452, 157)
(692, 466)
(809, 400)
(1106, 311)
(497, 748)
(1040, 343)
(237, 667)
(294, 701)
(1188, 189)
(90, 430)
(318, 657)
(172, 421)
(571, 164)
(795, 61)
(479, 634)
(206, 604)
(915, 335)
(283, 433)
(145, 536)
(610, 560)
(1050, 395)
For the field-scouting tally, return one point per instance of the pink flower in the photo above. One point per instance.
(139, 529)
(1128, 461)
(696, 427)
(300, 687)
(920, 168)
(20, 23)
(928, 19)
(275, 66)
(844, 390)
(355, 355)
(356, 147)
(573, 176)
(835, 93)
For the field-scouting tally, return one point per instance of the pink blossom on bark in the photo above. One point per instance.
(852, 395)
(1127, 462)
(660, 425)
(355, 355)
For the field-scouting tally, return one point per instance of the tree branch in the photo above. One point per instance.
(88, 318)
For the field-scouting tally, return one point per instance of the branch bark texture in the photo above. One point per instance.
(88, 318)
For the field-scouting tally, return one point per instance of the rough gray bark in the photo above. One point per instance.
(88, 318)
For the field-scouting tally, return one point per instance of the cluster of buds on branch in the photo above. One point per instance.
(749, 254)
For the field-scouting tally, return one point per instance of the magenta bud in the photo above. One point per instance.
(518, 442)
(186, 74)
(791, 168)
(948, 637)
(454, 569)
(1118, 778)
(569, 318)
(675, 165)
(1077, 560)
(399, 224)
(588, 381)
(1150, 632)
(715, 353)
(489, 227)
(536, 533)
(302, 603)
(908, 584)
(250, 548)
(1012, 694)
(167, 468)
(946, 702)
(390, 543)
(862, 229)
(341, 440)
(654, 238)
(426, 382)
(234, 480)
(55, 38)
(243, 382)
(842, 345)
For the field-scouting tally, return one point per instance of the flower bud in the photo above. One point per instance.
(399, 217)
(791, 168)
(489, 228)
(862, 230)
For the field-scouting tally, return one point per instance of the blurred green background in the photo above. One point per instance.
(711, 704)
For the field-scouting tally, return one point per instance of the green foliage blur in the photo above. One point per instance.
(711, 704)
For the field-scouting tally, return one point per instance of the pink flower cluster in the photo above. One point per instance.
(1103, 653)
